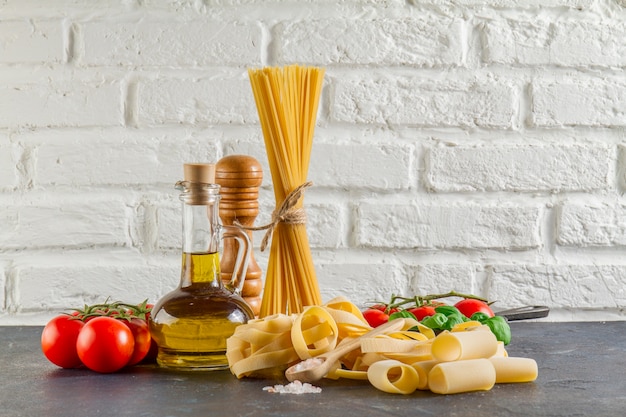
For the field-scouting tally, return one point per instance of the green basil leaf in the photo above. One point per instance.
(500, 327)
(447, 310)
(479, 316)
(403, 314)
(453, 320)
(436, 321)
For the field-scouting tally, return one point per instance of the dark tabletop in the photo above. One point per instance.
(581, 373)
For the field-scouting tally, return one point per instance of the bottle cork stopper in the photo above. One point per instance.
(199, 172)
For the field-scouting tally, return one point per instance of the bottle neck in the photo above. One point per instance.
(201, 228)
(201, 235)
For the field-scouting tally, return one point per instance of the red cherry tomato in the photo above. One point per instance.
(422, 312)
(105, 344)
(143, 341)
(469, 306)
(149, 308)
(385, 309)
(58, 341)
(375, 317)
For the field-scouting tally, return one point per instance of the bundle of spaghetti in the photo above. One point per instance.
(287, 100)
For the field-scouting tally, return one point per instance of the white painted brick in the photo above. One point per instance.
(519, 168)
(168, 228)
(422, 42)
(326, 219)
(375, 165)
(64, 101)
(517, 4)
(31, 41)
(212, 100)
(9, 159)
(325, 3)
(559, 286)
(68, 221)
(116, 156)
(325, 226)
(441, 278)
(388, 99)
(63, 8)
(579, 101)
(544, 41)
(599, 224)
(69, 282)
(171, 43)
(3, 285)
(361, 283)
(452, 225)
(343, 158)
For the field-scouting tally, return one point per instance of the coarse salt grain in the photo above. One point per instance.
(307, 364)
(295, 387)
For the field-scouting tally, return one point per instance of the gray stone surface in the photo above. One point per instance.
(581, 373)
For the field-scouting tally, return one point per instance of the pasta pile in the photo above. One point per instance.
(468, 358)
(287, 101)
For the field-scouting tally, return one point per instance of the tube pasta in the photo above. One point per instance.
(510, 370)
(501, 352)
(462, 376)
(423, 368)
(454, 346)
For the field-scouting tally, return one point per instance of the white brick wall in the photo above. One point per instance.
(469, 145)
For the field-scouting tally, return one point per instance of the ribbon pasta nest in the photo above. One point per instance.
(468, 358)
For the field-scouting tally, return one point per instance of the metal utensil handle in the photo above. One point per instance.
(524, 313)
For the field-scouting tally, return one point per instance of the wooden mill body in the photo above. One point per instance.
(240, 177)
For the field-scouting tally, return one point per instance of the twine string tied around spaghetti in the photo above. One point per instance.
(285, 213)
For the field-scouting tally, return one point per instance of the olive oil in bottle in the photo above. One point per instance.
(190, 324)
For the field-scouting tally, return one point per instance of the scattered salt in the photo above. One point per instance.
(295, 387)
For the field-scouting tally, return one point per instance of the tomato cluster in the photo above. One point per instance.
(438, 316)
(104, 338)
(423, 307)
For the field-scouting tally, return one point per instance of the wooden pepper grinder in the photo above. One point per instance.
(240, 177)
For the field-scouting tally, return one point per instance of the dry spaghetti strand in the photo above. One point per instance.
(287, 100)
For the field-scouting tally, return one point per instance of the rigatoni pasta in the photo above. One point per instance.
(510, 370)
(462, 376)
(454, 346)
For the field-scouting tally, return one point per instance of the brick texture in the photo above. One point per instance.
(476, 145)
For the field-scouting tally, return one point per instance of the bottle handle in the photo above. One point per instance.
(244, 250)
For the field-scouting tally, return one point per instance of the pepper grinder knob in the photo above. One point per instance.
(240, 177)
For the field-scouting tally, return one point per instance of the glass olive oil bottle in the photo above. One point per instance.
(191, 323)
